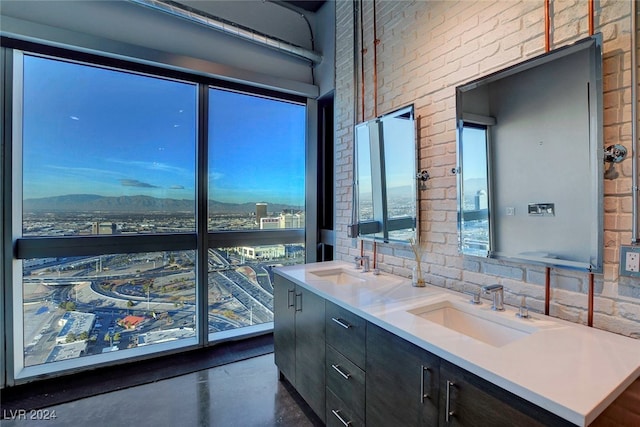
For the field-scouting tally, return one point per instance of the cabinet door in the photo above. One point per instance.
(310, 349)
(468, 400)
(401, 382)
(284, 343)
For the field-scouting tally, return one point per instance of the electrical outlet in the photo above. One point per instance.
(633, 262)
(630, 261)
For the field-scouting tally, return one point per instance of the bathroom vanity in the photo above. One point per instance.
(373, 350)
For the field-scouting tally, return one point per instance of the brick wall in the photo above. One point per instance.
(426, 49)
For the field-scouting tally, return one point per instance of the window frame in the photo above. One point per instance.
(16, 247)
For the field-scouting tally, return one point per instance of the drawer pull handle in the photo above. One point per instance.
(289, 303)
(342, 420)
(341, 323)
(448, 412)
(298, 308)
(345, 375)
(423, 394)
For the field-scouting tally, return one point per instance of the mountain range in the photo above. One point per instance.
(135, 204)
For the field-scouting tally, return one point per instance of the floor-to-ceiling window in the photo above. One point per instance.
(257, 187)
(121, 248)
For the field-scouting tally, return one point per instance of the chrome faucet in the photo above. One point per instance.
(365, 263)
(498, 296)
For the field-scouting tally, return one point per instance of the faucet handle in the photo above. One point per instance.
(523, 311)
(476, 297)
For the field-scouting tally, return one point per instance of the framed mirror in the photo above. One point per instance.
(385, 173)
(530, 160)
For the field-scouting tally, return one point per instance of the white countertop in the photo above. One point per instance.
(568, 369)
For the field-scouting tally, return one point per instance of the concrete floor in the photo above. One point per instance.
(244, 394)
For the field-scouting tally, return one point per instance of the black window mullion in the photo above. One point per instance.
(45, 247)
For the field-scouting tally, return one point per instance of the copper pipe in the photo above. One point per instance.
(362, 52)
(590, 303)
(375, 62)
(375, 254)
(547, 290)
(547, 26)
(591, 14)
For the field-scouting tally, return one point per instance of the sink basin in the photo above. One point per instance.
(492, 328)
(339, 276)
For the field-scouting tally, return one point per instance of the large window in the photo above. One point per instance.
(122, 248)
(256, 182)
(106, 152)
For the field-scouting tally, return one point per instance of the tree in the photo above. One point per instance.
(83, 336)
(116, 336)
(71, 337)
(107, 337)
(130, 303)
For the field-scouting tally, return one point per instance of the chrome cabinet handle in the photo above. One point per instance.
(296, 302)
(289, 303)
(424, 395)
(342, 420)
(345, 375)
(448, 412)
(341, 323)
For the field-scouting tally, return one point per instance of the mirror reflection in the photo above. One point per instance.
(530, 160)
(386, 177)
(474, 190)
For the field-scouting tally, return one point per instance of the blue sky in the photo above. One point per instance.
(89, 130)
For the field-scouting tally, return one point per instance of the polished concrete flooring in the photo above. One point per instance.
(244, 394)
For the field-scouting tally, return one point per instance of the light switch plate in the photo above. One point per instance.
(630, 261)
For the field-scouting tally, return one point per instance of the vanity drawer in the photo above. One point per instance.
(346, 333)
(345, 380)
(339, 414)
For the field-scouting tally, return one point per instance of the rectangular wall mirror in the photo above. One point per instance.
(530, 160)
(386, 177)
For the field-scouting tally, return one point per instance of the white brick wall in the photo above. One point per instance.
(426, 49)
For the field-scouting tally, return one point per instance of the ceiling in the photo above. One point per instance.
(308, 5)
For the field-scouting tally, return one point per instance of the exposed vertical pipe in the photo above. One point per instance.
(375, 62)
(590, 295)
(547, 46)
(590, 303)
(362, 52)
(591, 14)
(375, 255)
(547, 290)
(354, 192)
(547, 30)
(635, 225)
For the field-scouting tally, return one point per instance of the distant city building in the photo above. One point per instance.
(285, 220)
(482, 200)
(76, 323)
(261, 212)
(263, 252)
(291, 220)
(156, 337)
(104, 228)
(269, 223)
(67, 351)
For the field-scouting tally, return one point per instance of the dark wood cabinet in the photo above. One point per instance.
(468, 400)
(353, 372)
(284, 328)
(346, 333)
(299, 341)
(402, 381)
